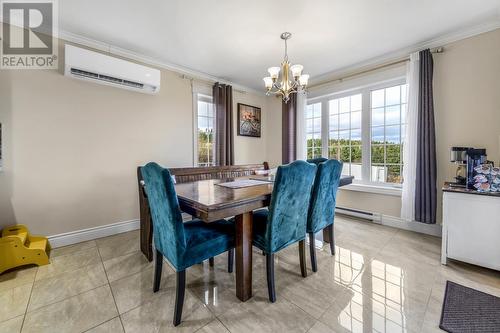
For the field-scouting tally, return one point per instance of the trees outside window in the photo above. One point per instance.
(364, 128)
(206, 131)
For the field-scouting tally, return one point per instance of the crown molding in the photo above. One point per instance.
(389, 57)
(186, 72)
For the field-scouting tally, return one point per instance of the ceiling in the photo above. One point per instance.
(237, 41)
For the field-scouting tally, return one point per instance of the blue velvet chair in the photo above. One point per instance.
(183, 244)
(284, 223)
(322, 207)
(317, 160)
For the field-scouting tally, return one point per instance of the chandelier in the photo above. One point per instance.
(292, 80)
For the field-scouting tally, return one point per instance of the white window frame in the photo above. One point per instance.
(385, 125)
(321, 129)
(197, 96)
(327, 125)
(365, 184)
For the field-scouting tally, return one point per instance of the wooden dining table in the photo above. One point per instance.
(209, 201)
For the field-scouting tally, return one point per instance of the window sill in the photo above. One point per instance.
(376, 189)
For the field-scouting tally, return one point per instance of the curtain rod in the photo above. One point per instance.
(392, 63)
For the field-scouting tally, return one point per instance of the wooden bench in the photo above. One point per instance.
(186, 175)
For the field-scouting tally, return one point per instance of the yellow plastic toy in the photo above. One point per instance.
(19, 248)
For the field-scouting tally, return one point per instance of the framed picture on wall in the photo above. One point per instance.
(249, 120)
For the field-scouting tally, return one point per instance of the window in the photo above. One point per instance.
(388, 109)
(344, 141)
(364, 128)
(313, 130)
(206, 131)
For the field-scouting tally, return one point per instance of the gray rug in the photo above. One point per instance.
(469, 310)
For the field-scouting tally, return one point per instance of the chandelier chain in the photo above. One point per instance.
(286, 50)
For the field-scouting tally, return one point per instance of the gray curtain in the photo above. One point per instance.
(224, 144)
(289, 130)
(426, 191)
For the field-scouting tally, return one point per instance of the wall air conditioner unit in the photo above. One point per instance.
(99, 68)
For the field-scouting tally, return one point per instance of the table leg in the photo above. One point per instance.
(244, 256)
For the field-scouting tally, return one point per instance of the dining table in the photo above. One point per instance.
(215, 199)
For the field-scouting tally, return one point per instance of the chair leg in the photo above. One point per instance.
(312, 251)
(158, 268)
(270, 277)
(230, 260)
(302, 257)
(179, 296)
(332, 239)
(211, 262)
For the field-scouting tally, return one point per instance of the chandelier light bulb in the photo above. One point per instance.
(304, 79)
(296, 70)
(268, 82)
(274, 72)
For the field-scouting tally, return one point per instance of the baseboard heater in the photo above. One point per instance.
(375, 217)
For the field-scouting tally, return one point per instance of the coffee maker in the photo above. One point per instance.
(458, 155)
(475, 158)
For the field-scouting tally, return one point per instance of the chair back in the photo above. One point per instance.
(317, 160)
(324, 194)
(289, 205)
(168, 230)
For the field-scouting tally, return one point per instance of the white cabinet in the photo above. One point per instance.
(471, 229)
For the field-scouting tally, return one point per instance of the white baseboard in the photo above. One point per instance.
(423, 228)
(395, 222)
(84, 235)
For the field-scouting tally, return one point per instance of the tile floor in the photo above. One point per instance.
(380, 280)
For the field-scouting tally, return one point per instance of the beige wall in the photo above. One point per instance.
(6, 211)
(255, 150)
(72, 147)
(370, 202)
(467, 112)
(467, 99)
